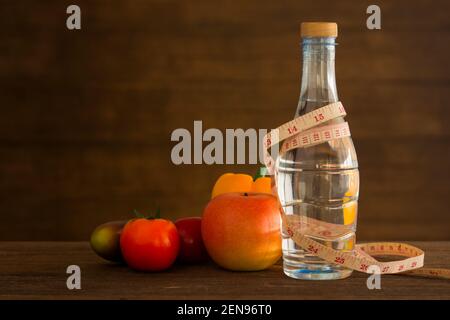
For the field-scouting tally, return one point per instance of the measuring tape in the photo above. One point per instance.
(309, 130)
(302, 131)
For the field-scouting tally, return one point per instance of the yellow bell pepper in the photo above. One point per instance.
(231, 182)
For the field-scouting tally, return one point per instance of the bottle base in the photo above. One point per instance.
(315, 271)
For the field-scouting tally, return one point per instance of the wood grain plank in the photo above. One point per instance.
(86, 116)
(123, 168)
(120, 115)
(72, 189)
(135, 59)
(208, 17)
(37, 270)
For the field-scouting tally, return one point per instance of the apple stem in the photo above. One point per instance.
(246, 194)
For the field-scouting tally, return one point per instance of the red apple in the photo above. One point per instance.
(192, 249)
(241, 231)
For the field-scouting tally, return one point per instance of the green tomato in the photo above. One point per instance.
(105, 240)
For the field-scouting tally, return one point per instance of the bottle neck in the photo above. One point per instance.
(318, 81)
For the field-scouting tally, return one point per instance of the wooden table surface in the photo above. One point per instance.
(37, 270)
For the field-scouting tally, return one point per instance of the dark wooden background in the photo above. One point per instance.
(86, 116)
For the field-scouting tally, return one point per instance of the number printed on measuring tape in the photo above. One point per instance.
(304, 123)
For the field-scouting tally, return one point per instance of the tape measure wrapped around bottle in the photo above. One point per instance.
(308, 130)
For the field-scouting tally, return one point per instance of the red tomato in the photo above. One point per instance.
(192, 249)
(149, 245)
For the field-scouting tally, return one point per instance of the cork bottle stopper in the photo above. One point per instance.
(318, 29)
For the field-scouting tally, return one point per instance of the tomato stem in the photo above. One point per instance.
(138, 214)
(148, 216)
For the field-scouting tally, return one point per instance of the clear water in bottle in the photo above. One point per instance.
(320, 182)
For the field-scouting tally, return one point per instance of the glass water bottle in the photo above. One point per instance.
(319, 182)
